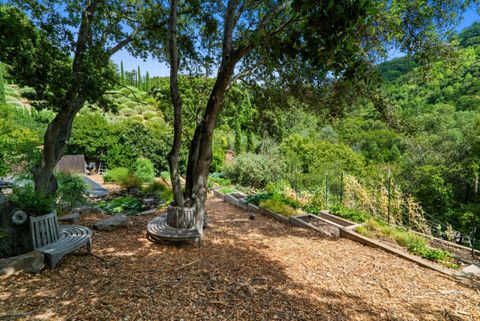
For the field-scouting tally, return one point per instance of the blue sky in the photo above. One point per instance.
(156, 68)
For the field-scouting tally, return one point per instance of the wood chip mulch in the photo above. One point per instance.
(247, 270)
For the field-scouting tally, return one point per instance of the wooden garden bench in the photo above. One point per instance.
(55, 241)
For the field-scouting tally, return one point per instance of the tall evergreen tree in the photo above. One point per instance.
(139, 78)
(122, 73)
(2, 86)
(147, 81)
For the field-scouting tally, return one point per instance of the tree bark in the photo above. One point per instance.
(177, 107)
(59, 130)
(200, 153)
(54, 143)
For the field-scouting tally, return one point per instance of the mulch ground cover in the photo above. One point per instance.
(246, 270)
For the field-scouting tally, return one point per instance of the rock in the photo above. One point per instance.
(134, 191)
(147, 212)
(31, 262)
(148, 201)
(251, 216)
(473, 270)
(111, 223)
(72, 218)
(88, 210)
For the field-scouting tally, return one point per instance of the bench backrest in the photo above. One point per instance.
(44, 229)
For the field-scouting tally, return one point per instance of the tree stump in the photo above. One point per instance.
(181, 217)
(15, 239)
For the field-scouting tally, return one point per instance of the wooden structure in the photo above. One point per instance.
(55, 241)
(73, 164)
(177, 225)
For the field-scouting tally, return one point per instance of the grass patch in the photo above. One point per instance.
(414, 243)
(227, 189)
(350, 214)
(280, 207)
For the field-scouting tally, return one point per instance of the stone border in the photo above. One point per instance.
(354, 236)
(340, 221)
(297, 221)
(275, 216)
(218, 194)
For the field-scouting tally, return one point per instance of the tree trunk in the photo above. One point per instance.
(201, 147)
(59, 130)
(177, 107)
(55, 140)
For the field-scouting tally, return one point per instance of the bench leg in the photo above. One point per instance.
(89, 246)
(53, 260)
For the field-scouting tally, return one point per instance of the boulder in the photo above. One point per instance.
(111, 223)
(473, 270)
(31, 262)
(72, 218)
(88, 210)
(148, 201)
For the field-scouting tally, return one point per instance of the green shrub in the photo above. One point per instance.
(149, 114)
(32, 203)
(165, 175)
(71, 190)
(2, 85)
(140, 109)
(350, 213)
(158, 120)
(128, 111)
(44, 116)
(154, 187)
(12, 92)
(128, 205)
(138, 118)
(255, 170)
(28, 92)
(160, 190)
(166, 195)
(131, 104)
(258, 198)
(145, 170)
(218, 178)
(114, 175)
(131, 180)
(279, 207)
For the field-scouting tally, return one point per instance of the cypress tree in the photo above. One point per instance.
(2, 86)
(139, 78)
(147, 81)
(122, 73)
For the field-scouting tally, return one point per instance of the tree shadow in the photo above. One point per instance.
(229, 278)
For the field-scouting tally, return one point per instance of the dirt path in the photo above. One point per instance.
(247, 270)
